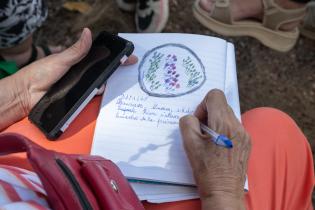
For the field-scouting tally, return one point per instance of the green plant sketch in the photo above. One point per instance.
(194, 77)
(150, 76)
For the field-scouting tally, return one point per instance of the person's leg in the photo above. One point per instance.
(254, 9)
(17, 23)
(280, 170)
(22, 52)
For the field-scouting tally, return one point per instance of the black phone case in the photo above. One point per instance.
(107, 72)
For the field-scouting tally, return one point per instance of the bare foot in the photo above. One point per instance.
(253, 9)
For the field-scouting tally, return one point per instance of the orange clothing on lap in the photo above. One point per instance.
(280, 170)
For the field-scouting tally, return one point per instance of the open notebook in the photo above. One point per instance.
(137, 127)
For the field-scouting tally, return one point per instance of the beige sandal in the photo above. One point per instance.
(267, 32)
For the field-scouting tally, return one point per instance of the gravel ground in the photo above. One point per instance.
(266, 78)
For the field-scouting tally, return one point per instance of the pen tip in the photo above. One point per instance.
(226, 141)
(228, 144)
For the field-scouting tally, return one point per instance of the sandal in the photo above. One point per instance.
(8, 68)
(127, 5)
(308, 27)
(151, 15)
(267, 32)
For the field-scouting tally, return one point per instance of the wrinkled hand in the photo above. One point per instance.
(38, 77)
(219, 172)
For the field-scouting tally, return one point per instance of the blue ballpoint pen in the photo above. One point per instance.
(218, 139)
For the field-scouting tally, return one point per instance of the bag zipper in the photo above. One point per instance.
(75, 185)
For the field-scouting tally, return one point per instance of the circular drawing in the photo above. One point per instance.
(171, 70)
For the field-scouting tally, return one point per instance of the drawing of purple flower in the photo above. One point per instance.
(171, 81)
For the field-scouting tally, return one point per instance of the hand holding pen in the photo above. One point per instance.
(218, 139)
(219, 171)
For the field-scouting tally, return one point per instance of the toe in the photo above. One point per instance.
(206, 5)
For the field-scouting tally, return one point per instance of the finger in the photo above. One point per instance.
(191, 133)
(77, 51)
(212, 97)
(201, 112)
(216, 107)
(132, 59)
(217, 98)
(101, 90)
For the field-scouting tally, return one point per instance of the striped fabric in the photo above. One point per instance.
(21, 189)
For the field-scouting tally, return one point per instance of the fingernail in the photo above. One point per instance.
(83, 32)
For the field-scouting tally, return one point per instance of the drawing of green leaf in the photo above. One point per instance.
(191, 72)
(155, 62)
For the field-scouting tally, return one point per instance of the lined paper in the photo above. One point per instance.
(140, 132)
(164, 193)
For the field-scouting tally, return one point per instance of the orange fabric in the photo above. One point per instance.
(280, 167)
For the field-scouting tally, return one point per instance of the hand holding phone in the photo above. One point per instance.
(66, 98)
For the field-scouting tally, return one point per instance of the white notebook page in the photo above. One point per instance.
(167, 193)
(137, 127)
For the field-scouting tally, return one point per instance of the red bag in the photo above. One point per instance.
(77, 182)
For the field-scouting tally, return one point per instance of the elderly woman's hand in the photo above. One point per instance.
(21, 91)
(219, 172)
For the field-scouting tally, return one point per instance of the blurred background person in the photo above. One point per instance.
(18, 20)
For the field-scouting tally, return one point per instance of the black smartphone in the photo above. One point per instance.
(67, 97)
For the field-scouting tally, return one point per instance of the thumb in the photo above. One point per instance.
(77, 51)
(191, 133)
